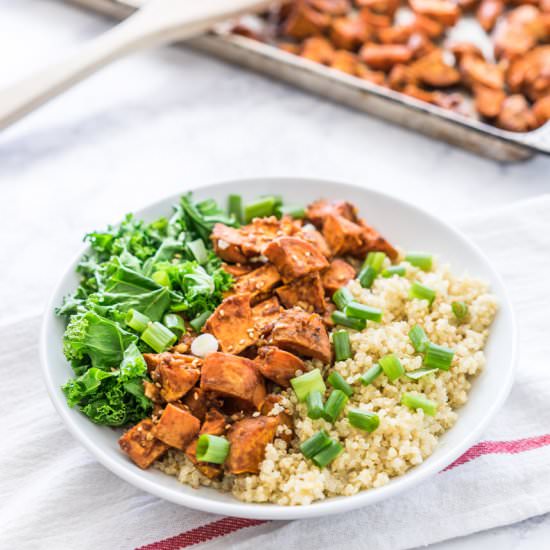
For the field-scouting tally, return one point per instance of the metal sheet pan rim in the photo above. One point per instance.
(244, 51)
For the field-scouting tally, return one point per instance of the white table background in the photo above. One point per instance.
(160, 122)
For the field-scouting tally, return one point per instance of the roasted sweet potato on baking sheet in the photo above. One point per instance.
(278, 365)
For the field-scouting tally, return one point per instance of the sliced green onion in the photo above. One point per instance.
(366, 276)
(398, 270)
(356, 310)
(419, 339)
(315, 444)
(259, 209)
(335, 405)
(420, 259)
(314, 402)
(414, 401)
(460, 310)
(328, 454)
(212, 448)
(174, 323)
(342, 345)
(391, 366)
(337, 381)
(161, 277)
(371, 375)
(235, 207)
(136, 320)
(310, 381)
(375, 260)
(198, 322)
(340, 318)
(363, 420)
(438, 357)
(419, 373)
(198, 250)
(342, 297)
(422, 292)
(158, 337)
(296, 212)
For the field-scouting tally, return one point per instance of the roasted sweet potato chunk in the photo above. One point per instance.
(197, 403)
(318, 211)
(372, 240)
(294, 257)
(238, 270)
(347, 63)
(214, 424)
(442, 11)
(228, 242)
(257, 283)
(318, 49)
(488, 101)
(342, 235)
(531, 74)
(261, 231)
(232, 324)
(268, 405)
(541, 110)
(518, 32)
(314, 237)
(348, 34)
(381, 7)
(248, 438)
(304, 21)
(175, 372)
(233, 376)
(265, 314)
(306, 292)
(488, 12)
(338, 274)
(278, 365)
(432, 70)
(140, 444)
(176, 427)
(384, 56)
(332, 7)
(516, 114)
(302, 333)
(479, 71)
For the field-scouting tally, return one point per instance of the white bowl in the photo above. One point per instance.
(401, 223)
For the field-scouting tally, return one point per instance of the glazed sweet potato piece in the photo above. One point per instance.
(376, 77)
(237, 270)
(267, 407)
(343, 236)
(381, 7)
(531, 74)
(175, 372)
(306, 292)
(304, 21)
(176, 427)
(479, 71)
(347, 63)
(196, 402)
(294, 257)
(318, 49)
(261, 231)
(348, 34)
(518, 32)
(214, 424)
(338, 274)
(372, 240)
(516, 115)
(442, 11)
(398, 34)
(232, 324)
(488, 12)
(331, 7)
(488, 101)
(432, 70)
(376, 21)
(228, 242)
(152, 392)
(384, 56)
(430, 27)
(317, 211)
(461, 49)
(248, 439)
(312, 236)
(140, 444)
(420, 45)
(233, 376)
(278, 365)
(265, 314)
(302, 333)
(257, 283)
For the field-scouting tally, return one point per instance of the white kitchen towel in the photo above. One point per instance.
(54, 495)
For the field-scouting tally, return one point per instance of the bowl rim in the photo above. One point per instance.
(129, 473)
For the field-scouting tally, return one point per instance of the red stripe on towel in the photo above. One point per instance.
(501, 447)
(228, 525)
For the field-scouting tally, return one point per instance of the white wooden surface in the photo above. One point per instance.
(155, 124)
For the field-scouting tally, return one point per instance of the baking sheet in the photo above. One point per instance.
(439, 123)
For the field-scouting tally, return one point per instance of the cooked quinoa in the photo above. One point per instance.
(405, 437)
